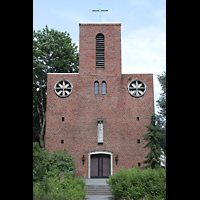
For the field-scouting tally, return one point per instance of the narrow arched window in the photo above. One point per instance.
(96, 87)
(103, 87)
(100, 51)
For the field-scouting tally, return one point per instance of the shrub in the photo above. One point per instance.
(135, 184)
(46, 170)
(69, 188)
(74, 188)
(39, 162)
(59, 161)
(50, 165)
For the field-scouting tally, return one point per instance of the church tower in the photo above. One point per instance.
(100, 48)
(99, 115)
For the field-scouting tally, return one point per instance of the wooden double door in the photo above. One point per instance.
(100, 166)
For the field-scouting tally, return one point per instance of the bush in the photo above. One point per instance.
(46, 170)
(50, 165)
(135, 184)
(59, 161)
(69, 188)
(40, 158)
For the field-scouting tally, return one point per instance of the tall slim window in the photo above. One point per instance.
(103, 87)
(96, 87)
(100, 51)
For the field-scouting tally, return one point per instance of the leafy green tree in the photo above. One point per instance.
(153, 135)
(53, 51)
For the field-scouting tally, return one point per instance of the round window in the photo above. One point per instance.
(63, 88)
(136, 88)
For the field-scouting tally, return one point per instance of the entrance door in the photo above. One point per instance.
(100, 166)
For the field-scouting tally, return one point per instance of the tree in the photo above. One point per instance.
(162, 104)
(153, 135)
(53, 51)
(162, 100)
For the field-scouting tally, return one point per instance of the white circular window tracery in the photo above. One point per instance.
(136, 88)
(63, 88)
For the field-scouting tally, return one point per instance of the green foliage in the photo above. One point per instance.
(136, 184)
(53, 51)
(162, 99)
(162, 113)
(153, 135)
(46, 170)
(50, 165)
(59, 161)
(40, 159)
(69, 188)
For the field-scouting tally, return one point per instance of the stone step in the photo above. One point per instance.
(99, 187)
(98, 190)
(89, 189)
(99, 193)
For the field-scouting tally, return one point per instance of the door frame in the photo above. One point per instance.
(99, 152)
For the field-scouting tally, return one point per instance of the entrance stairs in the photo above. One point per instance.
(98, 187)
(98, 190)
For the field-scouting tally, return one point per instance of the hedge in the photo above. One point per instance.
(69, 188)
(134, 184)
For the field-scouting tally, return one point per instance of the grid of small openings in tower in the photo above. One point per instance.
(100, 51)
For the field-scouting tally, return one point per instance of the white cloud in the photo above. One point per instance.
(144, 51)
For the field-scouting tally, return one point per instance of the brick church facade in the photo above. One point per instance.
(99, 114)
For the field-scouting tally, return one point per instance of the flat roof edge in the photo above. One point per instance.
(62, 73)
(137, 73)
(99, 22)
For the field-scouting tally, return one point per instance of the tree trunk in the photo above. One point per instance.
(42, 133)
(42, 120)
(41, 139)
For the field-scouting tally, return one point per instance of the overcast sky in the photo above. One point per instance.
(143, 29)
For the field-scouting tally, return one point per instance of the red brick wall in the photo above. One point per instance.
(112, 48)
(82, 109)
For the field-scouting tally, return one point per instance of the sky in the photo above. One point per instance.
(143, 29)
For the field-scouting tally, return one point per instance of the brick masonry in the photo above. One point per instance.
(82, 109)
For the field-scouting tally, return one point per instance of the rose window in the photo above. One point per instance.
(63, 88)
(136, 88)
